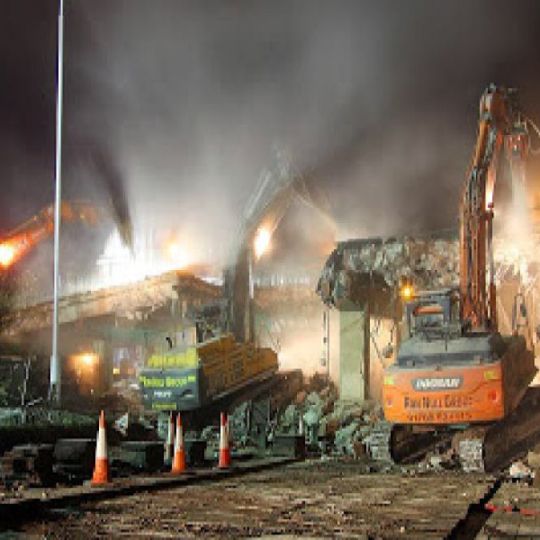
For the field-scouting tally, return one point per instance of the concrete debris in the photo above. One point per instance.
(431, 262)
(471, 454)
(331, 426)
(290, 419)
(314, 410)
(239, 423)
(376, 439)
(519, 471)
(210, 435)
(346, 411)
(346, 439)
(442, 461)
(435, 461)
(121, 425)
(335, 428)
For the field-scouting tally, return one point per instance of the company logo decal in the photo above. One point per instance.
(425, 384)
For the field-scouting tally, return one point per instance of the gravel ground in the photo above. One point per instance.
(311, 500)
(516, 513)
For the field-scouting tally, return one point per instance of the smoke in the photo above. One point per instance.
(375, 102)
(114, 186)
(515, 242)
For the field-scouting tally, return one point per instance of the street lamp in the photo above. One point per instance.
(56, 369)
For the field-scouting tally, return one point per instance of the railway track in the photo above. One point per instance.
(334, 499)
(33, 503)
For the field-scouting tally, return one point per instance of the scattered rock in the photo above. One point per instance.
(519, 471)
(345, 439)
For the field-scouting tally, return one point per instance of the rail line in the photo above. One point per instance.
(34, 502)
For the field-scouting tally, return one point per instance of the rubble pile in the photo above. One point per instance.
(330, 426)
(336, 428)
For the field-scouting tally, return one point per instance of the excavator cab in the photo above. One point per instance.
(431, 314)
(445, 374)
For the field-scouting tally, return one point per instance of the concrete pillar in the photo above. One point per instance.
(354, 353)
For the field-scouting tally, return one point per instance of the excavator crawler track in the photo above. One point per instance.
(495, 447)
(399, 444)
(484, 448)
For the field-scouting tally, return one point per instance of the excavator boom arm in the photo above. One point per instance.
(21, 240)
(500, 129)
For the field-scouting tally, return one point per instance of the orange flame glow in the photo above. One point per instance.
(85, 360)
(7, 255)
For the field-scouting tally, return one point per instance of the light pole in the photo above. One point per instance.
(56, 368)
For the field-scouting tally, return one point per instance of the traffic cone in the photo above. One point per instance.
(179, 461)
(169, 443)
(224, 450)
(102, 473)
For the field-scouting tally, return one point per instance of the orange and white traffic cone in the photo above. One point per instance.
(102, 473)
(224, 450)
(169, 443)
(179, 461)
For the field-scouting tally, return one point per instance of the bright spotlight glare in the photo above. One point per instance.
(262, 241)
(177, 255)
(7, 254)
(407, 292)
(85, 360)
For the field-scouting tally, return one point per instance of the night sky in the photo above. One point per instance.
(188, 101)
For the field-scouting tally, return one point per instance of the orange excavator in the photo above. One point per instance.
(453, 367)
(18, 242)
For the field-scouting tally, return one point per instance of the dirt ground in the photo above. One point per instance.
(311, 500)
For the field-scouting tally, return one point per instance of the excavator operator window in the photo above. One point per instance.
(428, 316)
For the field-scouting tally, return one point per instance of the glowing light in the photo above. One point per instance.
(153, 254)
(407, 292)
(177, 255)
(262, 241)
(7, 254)
(86, 360)
(489, 195)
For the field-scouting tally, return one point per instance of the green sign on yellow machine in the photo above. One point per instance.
(194, 376)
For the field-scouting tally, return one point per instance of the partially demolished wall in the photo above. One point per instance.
(370, 270)
(359, 269)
